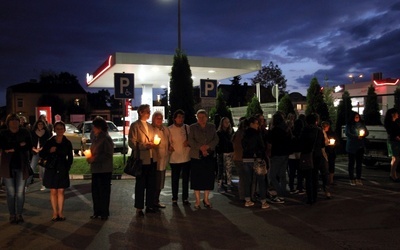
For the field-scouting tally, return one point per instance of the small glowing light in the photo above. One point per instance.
(157, 139)
(87, 153)
(211, 71)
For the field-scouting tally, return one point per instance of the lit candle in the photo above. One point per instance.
(362, 132)
(157, 139)
(87, 153)
(331, 141)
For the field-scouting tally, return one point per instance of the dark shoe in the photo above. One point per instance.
(174, 203)
(139, 213)
(186, 203)
(19, 219)
(394, 179)
(196, 207)
(54, 219)
(207, 205)
(61, 218)
(104, 218)
(13, 219)
(151, 210)
(160, 205)
(94, 217)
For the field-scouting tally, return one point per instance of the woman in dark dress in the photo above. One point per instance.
(203, 139)
(57, 178)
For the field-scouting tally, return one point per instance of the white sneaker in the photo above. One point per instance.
(42, 188)
(249, 204)
(264, 205)
(352, 182)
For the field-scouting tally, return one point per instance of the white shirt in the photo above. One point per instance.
(178, 136)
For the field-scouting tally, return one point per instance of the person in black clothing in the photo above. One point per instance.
(312, 140)
(253, 147)
(57, 178)
(331, 142)
(392, 126)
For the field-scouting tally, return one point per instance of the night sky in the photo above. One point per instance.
(329, 38)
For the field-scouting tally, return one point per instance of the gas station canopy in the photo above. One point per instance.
(150, 69)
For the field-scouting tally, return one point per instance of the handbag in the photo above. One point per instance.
(49, 162)
(260, 166)
(133, 164)
(307, 159)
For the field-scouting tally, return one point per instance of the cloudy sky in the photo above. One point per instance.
(328, 38)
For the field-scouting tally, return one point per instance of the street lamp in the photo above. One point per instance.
(179, 25)
(353, 78)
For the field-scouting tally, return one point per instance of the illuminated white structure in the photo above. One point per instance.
(153, 71)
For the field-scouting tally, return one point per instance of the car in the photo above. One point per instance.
(70, 133)
(84, 129)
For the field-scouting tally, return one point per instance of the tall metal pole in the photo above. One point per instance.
(179, 25)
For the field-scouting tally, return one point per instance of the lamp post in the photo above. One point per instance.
(179, 25)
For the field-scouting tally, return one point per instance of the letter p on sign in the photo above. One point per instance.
(208, 88)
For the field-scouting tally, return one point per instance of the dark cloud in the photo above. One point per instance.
(305, 38)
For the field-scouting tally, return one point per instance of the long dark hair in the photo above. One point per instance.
(388, 116)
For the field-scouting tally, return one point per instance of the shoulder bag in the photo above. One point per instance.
(133, 164)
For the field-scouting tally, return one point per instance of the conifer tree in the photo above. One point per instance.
(181, 88)
(253, 107)
(372, 116)
(285, 105)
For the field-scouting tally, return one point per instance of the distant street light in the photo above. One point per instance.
(353, 78)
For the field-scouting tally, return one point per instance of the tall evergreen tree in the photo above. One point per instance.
(396, 99)
(343, 112)
(315, 101)
(254, 107)
(181, 87)
(285, 105)
(220, 110)
(372, 116)
(328, 99)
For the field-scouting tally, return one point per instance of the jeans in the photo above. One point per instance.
(293, 170)
(34, 163)
(248, 181)
(242, 176)
(15, 191)
(357, 159)
(176, 170)
(277, 173)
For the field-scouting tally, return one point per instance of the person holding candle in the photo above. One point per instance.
(100, 158)
(57, 179)
(162, 139)
(330, 148)
(141, 136)
(356, 131)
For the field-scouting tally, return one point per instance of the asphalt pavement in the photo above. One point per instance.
(357, 217)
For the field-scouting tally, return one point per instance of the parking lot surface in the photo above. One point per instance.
(357, 217)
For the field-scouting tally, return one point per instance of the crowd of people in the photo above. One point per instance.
(271, 163)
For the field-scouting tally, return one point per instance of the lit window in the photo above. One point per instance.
(20, 102)
(76, 102)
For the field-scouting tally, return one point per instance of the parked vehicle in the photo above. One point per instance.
(85, 128)
(75, 139)
(376, 149)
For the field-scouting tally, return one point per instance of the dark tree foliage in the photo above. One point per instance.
(237, 97)
(57, 105)
(396, 99)
(100, 99)
(61, 78)
(181, 86)
(343, 112)
(371, 113)
(315, 101)
(269, 76)
(220, 110)
(254, 107)
(285, 105)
